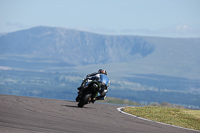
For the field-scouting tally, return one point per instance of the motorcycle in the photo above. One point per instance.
(88, 93)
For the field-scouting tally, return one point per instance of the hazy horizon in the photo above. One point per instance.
(132, 17)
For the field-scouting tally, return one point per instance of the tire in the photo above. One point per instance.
(84, 100)
(77, 99)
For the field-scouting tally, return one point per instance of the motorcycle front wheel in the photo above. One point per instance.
(84, 100)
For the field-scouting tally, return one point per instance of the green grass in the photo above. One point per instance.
(174, 116)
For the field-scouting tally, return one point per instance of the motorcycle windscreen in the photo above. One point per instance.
(104, 79)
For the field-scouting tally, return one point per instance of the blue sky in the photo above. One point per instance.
(166, 18)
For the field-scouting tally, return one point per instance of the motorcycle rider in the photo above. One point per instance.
(101, 77)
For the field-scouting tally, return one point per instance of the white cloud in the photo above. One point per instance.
(180, 30)
(16, 25)
(183, 30)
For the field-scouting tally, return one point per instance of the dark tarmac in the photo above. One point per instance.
(20, 114)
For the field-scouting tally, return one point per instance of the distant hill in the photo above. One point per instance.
(51, 62)
(66, 47)
(74, 47)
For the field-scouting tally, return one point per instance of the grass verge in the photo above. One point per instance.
(174, 116)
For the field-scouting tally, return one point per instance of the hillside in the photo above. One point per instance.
(50, 62)
(57, 47)
(73, 47)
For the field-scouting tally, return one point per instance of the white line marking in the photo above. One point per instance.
(120, 110)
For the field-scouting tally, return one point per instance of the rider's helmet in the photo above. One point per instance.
(102, 71)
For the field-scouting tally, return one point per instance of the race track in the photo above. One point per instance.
(36, 115)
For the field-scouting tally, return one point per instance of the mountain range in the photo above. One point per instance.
(138, 54)
(51, 62)
(74, 47)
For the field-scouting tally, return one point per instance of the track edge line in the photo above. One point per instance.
(121, 111)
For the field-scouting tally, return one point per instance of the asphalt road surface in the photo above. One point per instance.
(36, 115)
